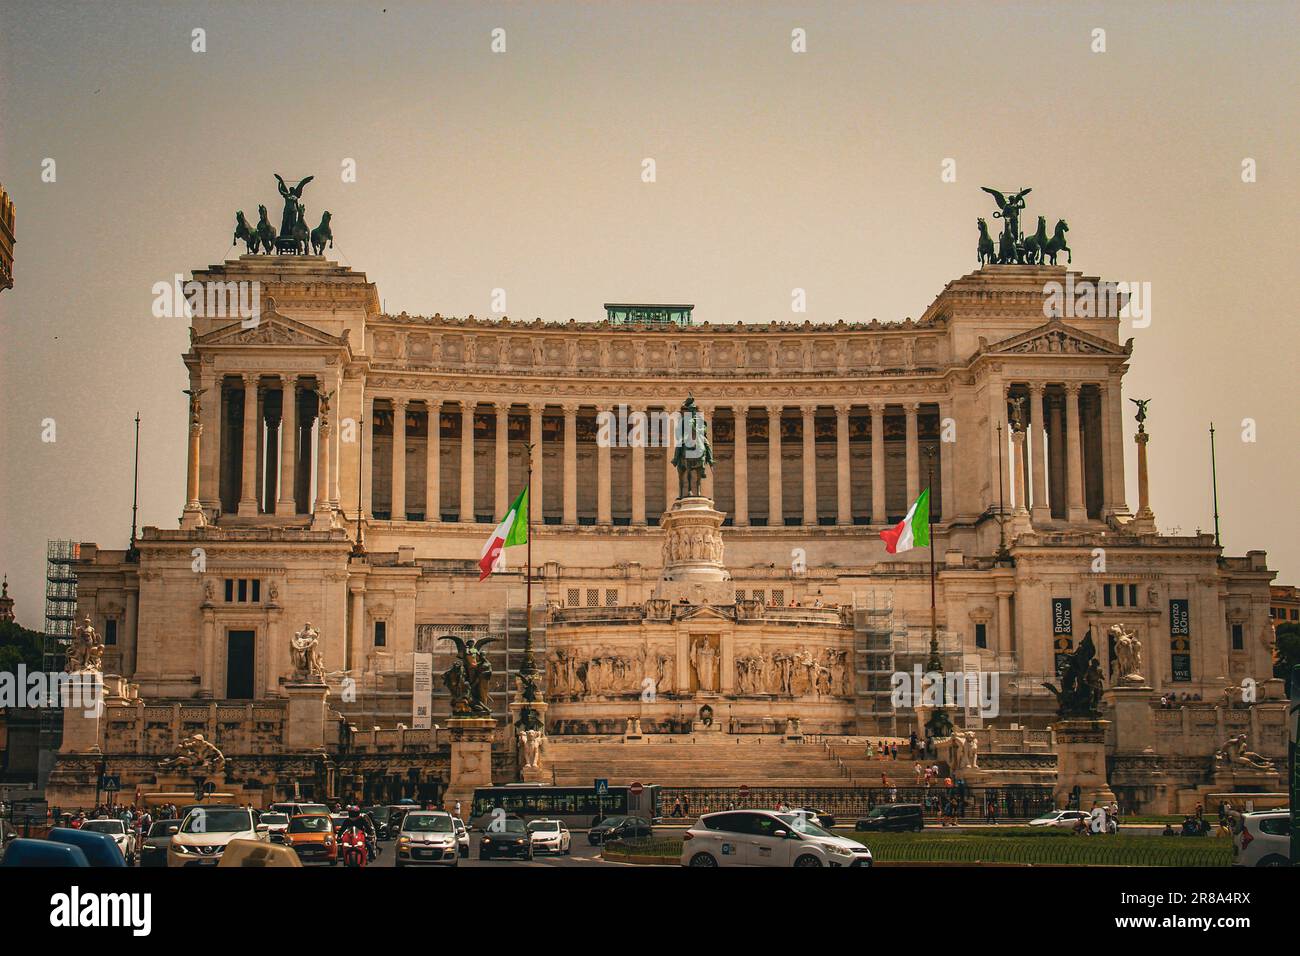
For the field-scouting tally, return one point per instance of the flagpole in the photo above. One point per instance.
(1214, 483)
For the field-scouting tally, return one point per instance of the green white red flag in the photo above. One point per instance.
(512, 530)
(913, 531)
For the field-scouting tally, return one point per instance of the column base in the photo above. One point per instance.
(1144, 522)
(322, 520)
(1077, 515)
(286, 509)
(247, 508)
(193, 518)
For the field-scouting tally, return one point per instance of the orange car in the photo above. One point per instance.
(311, 835)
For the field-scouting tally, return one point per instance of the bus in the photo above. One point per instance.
(577, 807)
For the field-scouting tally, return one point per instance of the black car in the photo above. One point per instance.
(619, 828)
(893, 818)
(506, 838)
(153, 849)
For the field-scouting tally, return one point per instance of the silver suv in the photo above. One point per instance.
(1262, 838)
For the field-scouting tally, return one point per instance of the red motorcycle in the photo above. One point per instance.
(352, 847)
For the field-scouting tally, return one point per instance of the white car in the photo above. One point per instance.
(767, 838)
(1060, 818)
(1262, 838)
(205, 831)
(124, 838)
(428, 838)
(462, 836)
(550, 836)
(277, 825)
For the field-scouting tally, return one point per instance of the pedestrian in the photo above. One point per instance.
(686, 805)
(677, 807)
(457, 811)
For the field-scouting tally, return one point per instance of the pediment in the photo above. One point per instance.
(702, 612)
(1054, 337)
(272, 328)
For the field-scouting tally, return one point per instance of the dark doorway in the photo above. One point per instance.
(239, 665)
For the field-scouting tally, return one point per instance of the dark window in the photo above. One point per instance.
(1105, 592)
(243, 590)
(381, 633)
(1119, 595)
(257, 590)
(1238, 637)
(110, 631)
(729, 823)
(981, 635)
(1295, 615)
(1132, 595)
(230, 590)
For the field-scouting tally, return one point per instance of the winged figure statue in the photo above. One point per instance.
(469, 678)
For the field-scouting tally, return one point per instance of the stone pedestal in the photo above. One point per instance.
(1081, 762)
(305, 718)
(693, 569)
(471, 757)
(1129, 707)
(82, 699)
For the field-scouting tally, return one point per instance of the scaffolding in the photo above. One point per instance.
(873, 663)
(60, 619)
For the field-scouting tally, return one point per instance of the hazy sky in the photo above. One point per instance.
(522, 170)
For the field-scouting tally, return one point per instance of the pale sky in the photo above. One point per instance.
(522, 170)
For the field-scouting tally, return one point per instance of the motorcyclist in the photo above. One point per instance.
(356, 821)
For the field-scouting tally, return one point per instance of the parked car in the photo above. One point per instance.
(819, 817)
(124, 838)
(27, 852)
(427, 838)
(550, 836)
(277, 825)
(205, 831)
(153, 848)
(509, 838)
(767, 838)
(462, 837)
(311, 836)
(619, 828)
(1262, 838)
(1060, 818)
(892, 818)
(100, 849)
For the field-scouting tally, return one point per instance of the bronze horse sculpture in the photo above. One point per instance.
(322, 234)
(265, 231)
(1057, 245)
(1035, 244)
(245, 232)
(985, 253)
(299, 235)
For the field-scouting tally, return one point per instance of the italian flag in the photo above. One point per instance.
(913, 531)
(512, 530)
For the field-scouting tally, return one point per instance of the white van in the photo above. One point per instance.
(767, 838)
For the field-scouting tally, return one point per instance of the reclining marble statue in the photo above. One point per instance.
(195, 754)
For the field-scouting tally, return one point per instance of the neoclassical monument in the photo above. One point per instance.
(346, 466)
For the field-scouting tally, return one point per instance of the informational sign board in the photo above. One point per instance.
(601, 786)
(1062, 631)
(422, 692)
(1180, 639)
(110, 783)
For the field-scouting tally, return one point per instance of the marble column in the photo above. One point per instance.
(248, 464)
(285, 504)
(740, 465)
(366, 437)
(336, 448)
(706, 486)
(947, 448)
(843, 488)
(1113, 409)
(638, 468)
(1040, 512)
(210, 450)
(323, 465)
(1004, 624)
(913, 452)
(271, 455)
(467, 460)
(775, 512)
(433, 462)
(1056, 458)
(357, 653)
(399, 459)
(192, 515)
(1104, 398)
(501, 470)
(671, 484)
(1074, 454)
(1018, 455)
(570, 464)
(604, 512)
(808, 430)
(879, 514)
(535, 488)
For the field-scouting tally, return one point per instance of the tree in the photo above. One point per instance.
(20, 646)
(1287, 654)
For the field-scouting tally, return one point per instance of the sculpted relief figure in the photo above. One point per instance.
(530, 743)
(86, 653)
(1233, 753)
(1128, 655)
(704, 659)
(196, 755)
(308, 666)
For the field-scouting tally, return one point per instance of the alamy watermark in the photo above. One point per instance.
(976, 690)
(39, 689)
(208, 300)
(1096, 300)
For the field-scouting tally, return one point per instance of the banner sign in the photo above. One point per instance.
(1062, 631)
(1180, 639)
(422, 696)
